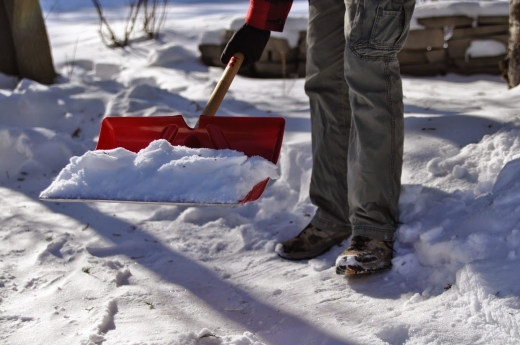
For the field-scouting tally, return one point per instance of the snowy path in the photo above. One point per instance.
(164, 274)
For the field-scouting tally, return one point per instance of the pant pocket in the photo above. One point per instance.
(378, 28)
(388, 28)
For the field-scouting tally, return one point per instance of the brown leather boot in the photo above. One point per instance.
(365, 255)
(310, 243)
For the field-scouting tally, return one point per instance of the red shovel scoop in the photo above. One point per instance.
(254, 136)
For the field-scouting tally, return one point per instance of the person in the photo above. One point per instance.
(356, 102)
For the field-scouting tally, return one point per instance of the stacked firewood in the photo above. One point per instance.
(441, 46)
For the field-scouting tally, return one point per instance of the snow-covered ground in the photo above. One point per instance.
(103, 273)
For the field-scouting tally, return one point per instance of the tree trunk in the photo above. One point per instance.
(24, 44)
(8, 63)
(513, 56)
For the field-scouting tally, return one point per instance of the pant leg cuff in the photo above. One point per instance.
(325, 225)
(376, 233)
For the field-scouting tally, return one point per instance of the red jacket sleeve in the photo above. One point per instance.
(268, 14)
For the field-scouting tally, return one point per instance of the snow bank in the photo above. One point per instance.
(170, 54)
(161, 173)
(28, 150)
(458, 8)
(215, 37)
(461, 8)
(474, 224)
(476, 166)
(482, 48)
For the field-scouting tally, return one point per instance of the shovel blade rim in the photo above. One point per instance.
(254, 136)
(136, 201)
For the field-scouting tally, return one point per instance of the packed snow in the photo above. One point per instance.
(161, 173)
(100, 273)
(482, 48)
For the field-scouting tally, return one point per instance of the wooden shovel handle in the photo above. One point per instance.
(222, 87)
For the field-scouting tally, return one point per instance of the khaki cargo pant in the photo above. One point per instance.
(356, 100)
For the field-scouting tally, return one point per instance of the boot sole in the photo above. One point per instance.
(307, 255)
(303, 256)
(360, 271)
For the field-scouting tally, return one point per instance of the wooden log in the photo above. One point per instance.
(412, 57)
(466, 70)
(436, 56)
(423, 39)
(278, 50)
(441, 22)
(485, 61)
(302, 45)
(210, 54)
(480, 31)
(473, 64)
(457, 48)
(500, 38)
(301, 69)
(275, 69)
(493, 20)
(424, 70)
(473, 71)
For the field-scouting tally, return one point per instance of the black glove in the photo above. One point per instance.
(249, 41)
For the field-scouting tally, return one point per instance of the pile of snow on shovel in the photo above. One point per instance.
(161, 173)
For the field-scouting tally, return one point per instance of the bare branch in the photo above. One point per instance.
(137, 8)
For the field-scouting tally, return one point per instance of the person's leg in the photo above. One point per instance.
(375, 32)
(330, 118)
(330, 114)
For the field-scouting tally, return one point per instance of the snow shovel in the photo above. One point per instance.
(254, 136)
